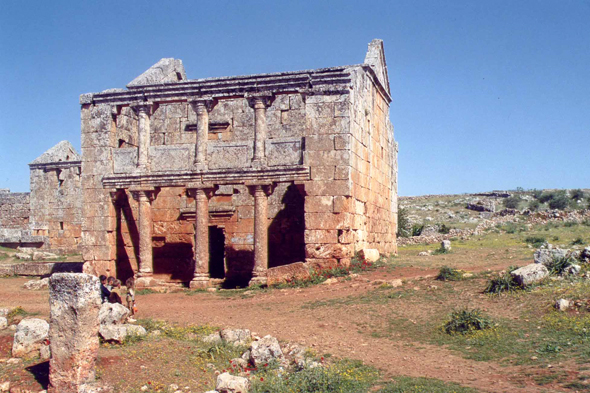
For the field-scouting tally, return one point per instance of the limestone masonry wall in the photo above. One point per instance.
(14, 209)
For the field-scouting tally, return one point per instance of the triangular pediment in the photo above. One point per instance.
(62, 152)
(376, 59)
(167, 70)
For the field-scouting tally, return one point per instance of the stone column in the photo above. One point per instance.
(202, 107)
(144, 197)
(260, 193)
(202, 193)
(143, 110)
(74, 300)
(259, 102)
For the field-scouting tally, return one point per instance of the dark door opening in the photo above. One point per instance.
(216, 252)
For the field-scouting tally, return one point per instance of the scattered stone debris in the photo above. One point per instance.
(3, 323)
(369, 254)
(31, 334)
(227, 383)
(264, 350)
(530, 274)
(236, 336)
(37, 285)
(445, 245)
(112, 317)
(562, 304)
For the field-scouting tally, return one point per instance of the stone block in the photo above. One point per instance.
(75, 302)
(342, 142)
(342, 204)
(369, 254)
(327, 221)
(319, 204)
(314, 236)
(323, 251)
(326, 158)
(322, 173)
(229, 155)
(319, 143)
(334, 187)
(284, 151)
(530, 274)
(170, 158)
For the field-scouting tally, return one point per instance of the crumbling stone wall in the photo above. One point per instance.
(14, 209)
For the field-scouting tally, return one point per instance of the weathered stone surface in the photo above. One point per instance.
(29, 337)
(369, 254)
(118, 333)
(530, 274)
(166, 70)
(37, 285)
(113, 314)
(562, 304)
(547, 256)
(264, 350)
(227, 383)
(214, 338)
(236, 336)
(74, 299)
(286, 273)
(3, 323)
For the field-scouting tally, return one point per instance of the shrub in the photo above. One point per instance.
(578, 241)
(577, 194)
(444, 229)
(403, 223)
(536, 193)
(560, 202)
(536, 241)
(534, 205)
(502, 283)
(417, 229)
(511, 202)
(466, 321)
(343, 376)
(559, 265)
(449, 274)
(546, 197)
(513, 228)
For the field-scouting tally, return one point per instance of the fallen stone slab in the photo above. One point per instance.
(227, 383)
(547, 256)
(530, 274)
(118, 333)
(369, 254)
(37, 285)
(286, 273)
(113, 314)
(30, 335)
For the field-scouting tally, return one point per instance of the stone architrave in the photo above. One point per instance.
(202, 193)
(145, 196)
(143, 110)
(261, 192)
(74, 299)
(260, 102)
(202, 107)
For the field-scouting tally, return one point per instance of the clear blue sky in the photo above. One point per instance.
(487, 94)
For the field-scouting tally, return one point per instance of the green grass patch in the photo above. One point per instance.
(466, 322)
(424, 385)
(449, 274)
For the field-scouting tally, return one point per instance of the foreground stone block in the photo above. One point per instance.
(227, 383)
(113, 314)
(285, 273)
(369, 254)
(236, 336)
(29, 337)
(530, 274)
(74, 299)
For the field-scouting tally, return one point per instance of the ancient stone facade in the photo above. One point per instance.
(201, 180)
(50, 216)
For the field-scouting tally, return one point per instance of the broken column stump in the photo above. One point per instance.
(74, 299)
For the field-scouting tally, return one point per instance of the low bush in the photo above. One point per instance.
(534, 205)
(503, 283)
(444, 229)
(403, 223)
(577, 241)
(417, 229)
(512, 202)
(343, 376)
(513, 228)
(536, 193)
(449, 274)
(577, 194)
(536, 241)
(559, 265)
(560, 202)
(466, 321)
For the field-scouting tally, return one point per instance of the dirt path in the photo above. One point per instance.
(326, 329)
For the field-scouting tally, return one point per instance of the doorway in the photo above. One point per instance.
(216, 252)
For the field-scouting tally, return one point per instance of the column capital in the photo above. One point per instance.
(261, 187)
(195, 189)
(142, 107)
(143, 193)
(260, 100)
(200, 104)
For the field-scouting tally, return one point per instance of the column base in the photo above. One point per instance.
(144, 281)
(258, 281)
(199, 283)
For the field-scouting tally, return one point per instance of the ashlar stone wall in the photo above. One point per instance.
(14, 209)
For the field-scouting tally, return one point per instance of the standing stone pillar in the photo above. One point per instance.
(143, 110)
(202, 107)
(259, 102)
(261, 193)
(202, 193)
(74, 299)
(144, 197)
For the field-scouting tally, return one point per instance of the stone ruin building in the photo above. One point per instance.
(50, 216)
(205, 180)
